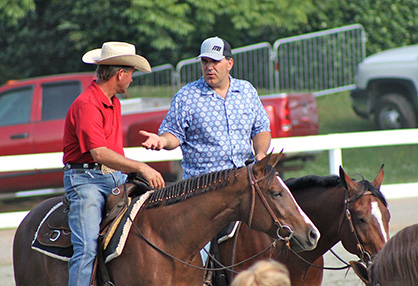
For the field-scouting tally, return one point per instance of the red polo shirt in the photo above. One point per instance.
(91, 122)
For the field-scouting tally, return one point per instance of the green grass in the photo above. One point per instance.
(337, 116)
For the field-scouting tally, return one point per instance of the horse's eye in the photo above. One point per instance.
(277, 194)
(360, 220)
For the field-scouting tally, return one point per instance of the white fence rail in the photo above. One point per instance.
(333, 143)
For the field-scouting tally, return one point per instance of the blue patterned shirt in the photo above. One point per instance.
(215, 133)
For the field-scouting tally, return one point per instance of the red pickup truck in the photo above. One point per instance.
(32, 114)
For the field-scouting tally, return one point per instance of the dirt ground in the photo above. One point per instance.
(404, 213)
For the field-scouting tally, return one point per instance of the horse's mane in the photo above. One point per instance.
(397, 263)
(185, 189)
(295, 184)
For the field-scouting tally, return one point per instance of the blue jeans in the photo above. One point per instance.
(86, 191)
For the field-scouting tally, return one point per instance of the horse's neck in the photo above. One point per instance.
(201, 217)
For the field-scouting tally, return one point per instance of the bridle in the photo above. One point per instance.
(360, 247)
(347, 201)
(254, 187)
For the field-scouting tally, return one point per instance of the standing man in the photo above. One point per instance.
(93, 151)
(217, 120)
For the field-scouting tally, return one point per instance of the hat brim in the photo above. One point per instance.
(136, 61)
(215, 57)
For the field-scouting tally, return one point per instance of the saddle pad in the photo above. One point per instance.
(115, 246)
(228, 232)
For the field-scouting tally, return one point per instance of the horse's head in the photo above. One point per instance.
(365, 229)
(275, 211)
(395, 264)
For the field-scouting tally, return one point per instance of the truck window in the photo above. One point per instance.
(57, 98)
(15, 106)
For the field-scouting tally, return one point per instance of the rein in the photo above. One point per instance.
(254, 186)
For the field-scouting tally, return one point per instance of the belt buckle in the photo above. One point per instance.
(106, 170)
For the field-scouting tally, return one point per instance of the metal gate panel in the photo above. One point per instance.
(159, 83)
(322, 62)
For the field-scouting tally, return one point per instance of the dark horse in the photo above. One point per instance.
(396, 264)
(353, 212)
(175, 223)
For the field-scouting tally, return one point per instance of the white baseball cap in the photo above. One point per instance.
(215, 48)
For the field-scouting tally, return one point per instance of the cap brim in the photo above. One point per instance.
(215, 57)
(136, 61)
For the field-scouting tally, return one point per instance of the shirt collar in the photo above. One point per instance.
(101, 96)
(207, 90)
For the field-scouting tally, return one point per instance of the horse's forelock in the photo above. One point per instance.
(366, 185)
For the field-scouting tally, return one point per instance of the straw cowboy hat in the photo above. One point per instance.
(117, 53)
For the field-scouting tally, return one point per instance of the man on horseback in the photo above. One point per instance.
(93, 151)
(218, 121)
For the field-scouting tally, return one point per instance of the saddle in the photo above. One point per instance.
(54, 230)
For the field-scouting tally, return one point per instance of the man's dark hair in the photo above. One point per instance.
(105, 72)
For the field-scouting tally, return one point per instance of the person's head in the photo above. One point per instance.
(263, 273)
(216, 61)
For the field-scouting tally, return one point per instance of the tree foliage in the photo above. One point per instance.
(13, 10)
(50, 36)
(53, 37)
(388, 23)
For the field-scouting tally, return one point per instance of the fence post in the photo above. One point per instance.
(335, 161)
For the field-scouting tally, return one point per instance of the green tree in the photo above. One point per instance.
(13, 10)
(52, 38)
(388, 23)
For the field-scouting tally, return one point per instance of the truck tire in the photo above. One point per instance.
(393, 111)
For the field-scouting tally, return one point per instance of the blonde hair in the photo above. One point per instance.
(263, 273)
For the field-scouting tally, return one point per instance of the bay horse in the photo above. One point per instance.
(396, 264)
(353, 212)
(164, 243)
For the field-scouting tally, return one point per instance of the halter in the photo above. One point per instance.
(254, 186)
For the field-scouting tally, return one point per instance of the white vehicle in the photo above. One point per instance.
(387, 88)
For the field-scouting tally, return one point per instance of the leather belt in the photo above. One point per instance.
(91, 166)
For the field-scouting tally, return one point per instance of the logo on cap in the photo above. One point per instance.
(216, 48)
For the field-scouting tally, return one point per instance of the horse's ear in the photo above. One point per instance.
(261, 165)
(276, 158)
(347, 182)
(379, 178)
(361, 271)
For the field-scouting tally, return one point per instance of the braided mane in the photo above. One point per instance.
(188, 188)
